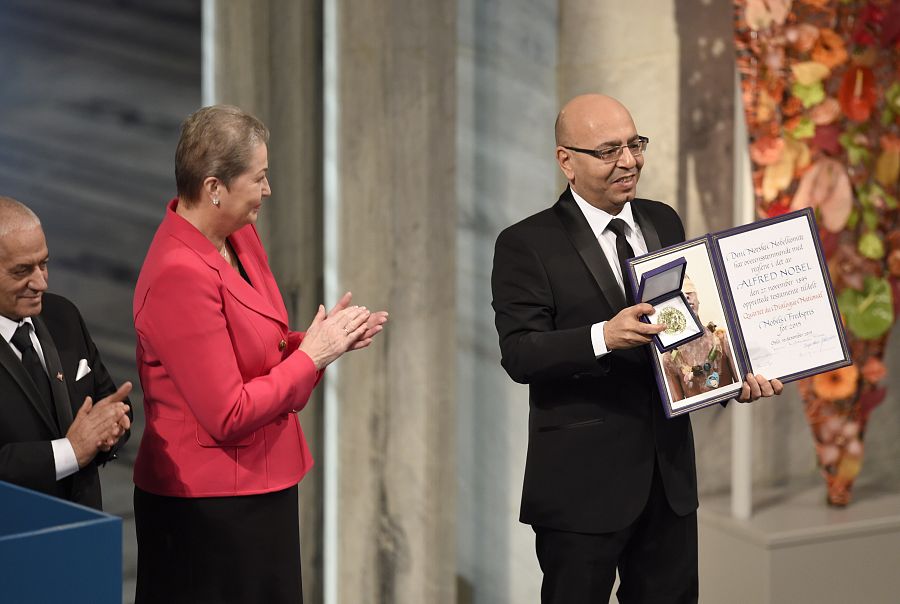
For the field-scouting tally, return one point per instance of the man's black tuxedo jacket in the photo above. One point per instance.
(26, 423)
(595, 426)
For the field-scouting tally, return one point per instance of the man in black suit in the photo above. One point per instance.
(52, 433)
(610, 483)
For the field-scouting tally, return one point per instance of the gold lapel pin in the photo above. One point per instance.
(59, 376)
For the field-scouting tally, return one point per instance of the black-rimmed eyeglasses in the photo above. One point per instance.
(611, 154)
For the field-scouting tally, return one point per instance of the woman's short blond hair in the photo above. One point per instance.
(215, 141)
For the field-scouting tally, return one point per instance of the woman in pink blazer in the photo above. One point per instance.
(223, 377)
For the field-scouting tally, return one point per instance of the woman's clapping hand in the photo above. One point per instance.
(343, 328)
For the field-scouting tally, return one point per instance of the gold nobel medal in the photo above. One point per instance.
(673, 319)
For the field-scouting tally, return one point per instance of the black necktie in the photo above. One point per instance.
(22, 340)
(624, 252)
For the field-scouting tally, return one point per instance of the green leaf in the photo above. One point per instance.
(805, 129)
(864, 196)
(855, 153)
(892, 94)
(887, 117)
(869, 313)
(853, 220)
(870, 245)
(810, 95)
(870, 218)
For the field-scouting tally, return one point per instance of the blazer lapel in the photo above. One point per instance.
(651, 236)
(247, 294)
(55, 371)
(581, 235)
(261, 284)
(13, 365)
(181, 229)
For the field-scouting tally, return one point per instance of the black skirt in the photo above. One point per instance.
(243, 549)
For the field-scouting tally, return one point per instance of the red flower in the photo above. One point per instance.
(868, 400)
(778, 207)
(827, 138)
(829, 242)
(890, 27)
(857, 94)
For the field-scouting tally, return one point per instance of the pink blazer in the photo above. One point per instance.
(220, 370)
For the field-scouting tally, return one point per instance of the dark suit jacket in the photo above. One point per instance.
(595, 426)
(26, 424)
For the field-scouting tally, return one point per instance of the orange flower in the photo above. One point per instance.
(829, 50)
(792, 106)
(838, 384)
(766, 150)
(874, 370)
(890, 142)
(893, 262)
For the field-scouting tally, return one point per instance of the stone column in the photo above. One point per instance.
(396, 223)
(671, 63)
(267, 59)
(507, 104)
(631, 55)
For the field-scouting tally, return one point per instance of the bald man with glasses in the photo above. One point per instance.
(610, 483)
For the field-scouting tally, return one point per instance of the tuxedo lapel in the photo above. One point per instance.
(582, 237)
(57, 376)
(16, 369)
(648, 229)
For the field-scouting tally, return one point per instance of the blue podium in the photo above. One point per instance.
(55, 551)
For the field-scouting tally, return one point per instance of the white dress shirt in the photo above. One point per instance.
(63, 454)
(598, 221)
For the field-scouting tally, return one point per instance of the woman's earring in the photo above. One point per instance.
(215, 201)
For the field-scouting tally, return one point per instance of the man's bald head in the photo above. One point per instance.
(15, 216)
(587, 114)
(599, 151)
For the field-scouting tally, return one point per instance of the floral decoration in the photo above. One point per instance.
(820, 84)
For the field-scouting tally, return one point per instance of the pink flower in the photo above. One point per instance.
(850, 430)
(829, 455)
(802, 37)
(760, 14)
(874, 370)
(825, 112)
(826, 186)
